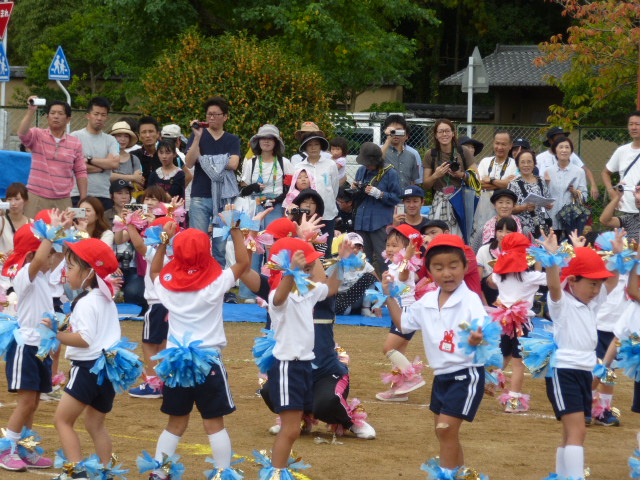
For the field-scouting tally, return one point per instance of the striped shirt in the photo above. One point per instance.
(53, 164)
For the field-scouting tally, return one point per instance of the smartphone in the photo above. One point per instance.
(399, 209)
(132, 207)
(78, 212)
(5, 205)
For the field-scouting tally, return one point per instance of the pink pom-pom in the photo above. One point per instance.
(417, 366)
(357, 412)
(424, 286)
(505, 397)
(502, 379)
(59, 378)
(155, 383)
(118, 224)
(137, 219)
(265, 270)
(513, 319)
(179, 214)
(115, 282)
(321, 238)
(308, 421)
(415, 263)
(395, 376)
(160, 210)
(524, 400)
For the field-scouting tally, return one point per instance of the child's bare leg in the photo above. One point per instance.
(288, 434)
(505, 361)
(26, 407)
(94, 422)
(395, 342)
(68, 411)
(447, 431)
(55, 361)
(148, 351)
(517, 375)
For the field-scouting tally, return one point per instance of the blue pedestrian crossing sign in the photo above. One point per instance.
(59, 68)
(4, 65)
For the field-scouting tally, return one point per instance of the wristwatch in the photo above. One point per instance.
(89, 159)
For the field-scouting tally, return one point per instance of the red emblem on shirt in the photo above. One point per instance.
(446, 345)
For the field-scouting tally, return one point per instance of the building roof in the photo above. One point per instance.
(455, 112)
(513, 66)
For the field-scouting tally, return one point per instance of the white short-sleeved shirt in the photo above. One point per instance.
(575, 331)
(510, 290)
(629, 321)
(269, 171)
(56, 280)
(547, 159)
(409, 297)
(95, 318)
(34, 300)
(619, 162)
(486, 169)
(442, 325)
(484, 257)
(149, 288)
(616, 302)
(198, 312)
(292, 323)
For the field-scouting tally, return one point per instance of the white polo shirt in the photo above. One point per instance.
(34, 300)
(95, 318)
(619, 162)
(629, 321)
(198, 312)
(574, 330)
(440, 327)
(486, 169)
(615, 303)
(409, 298)
(292, 323)
(510, 290)
(150, 294)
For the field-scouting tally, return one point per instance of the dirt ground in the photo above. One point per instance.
(502, 446)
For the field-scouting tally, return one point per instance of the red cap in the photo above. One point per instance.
(448, 240)
(24, 242)
(192, 267)
(513, 257)
(97, 254)
(44, 215)
(588, 264)
(282, 228)
(287, 180)
(162, 221)
(408, 231)
(293, 245)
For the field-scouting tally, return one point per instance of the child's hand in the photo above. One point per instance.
(298, 260)
(618, 242)
(410, 251)
(261, 216)
(47, 323)
(377, 312)
(67, 220)
(170, 228)
(476, 337)
(56, 217)
(550, 242)
(177, 202)
(387, 281)
(346, 249)
(577, 241)
(309, 226)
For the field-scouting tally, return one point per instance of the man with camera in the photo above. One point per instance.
(629, 221)
(395, 153)
(56, 158)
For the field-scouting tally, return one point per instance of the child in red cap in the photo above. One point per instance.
(94, 327)
(575, 295)
(291, 304)
(458, 383)
(192, 286)
(517, 286)
(403, 241)
(27, 374)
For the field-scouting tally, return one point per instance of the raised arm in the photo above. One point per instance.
(550, 244)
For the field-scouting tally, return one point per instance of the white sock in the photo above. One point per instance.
(221, 448)
(606, 399)
(574, 461)
(13, 436)
(560, 461)
(167, 444)
(398, 360)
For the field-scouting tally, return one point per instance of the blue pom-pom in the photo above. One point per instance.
(539, 352)
(9, 333)
(268, 470)
(488, 350)
(283, 261)
(112, 472)
(120, 365)
(186, 365)
(49, 342)
(229, 473)
(546, 259)
(263, 350)
(604, 374)
(634, 463)
(629, 357)
(375, 295)
(605, 240)
(152, 238)
(147, 463)
(622, 262)
(35, 438)
(436, 472)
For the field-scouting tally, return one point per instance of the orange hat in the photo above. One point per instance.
(192, 267)
(513, 257)
(293, 245)
(587, 263)
(408, 231)
(282, 228)
(24, 242)
(447, 240)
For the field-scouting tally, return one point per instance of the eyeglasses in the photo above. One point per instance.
(444, 132)
(215, 114)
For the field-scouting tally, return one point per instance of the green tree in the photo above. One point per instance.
(603, 47)
(262, 84)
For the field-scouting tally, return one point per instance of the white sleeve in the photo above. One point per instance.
(246, 172)
(287, 166)
(512, 169)
(556, 309)
(83, 320)
(483, 167)
(21, 283)
(320, 292)
(575, 159)
(108, 237)
(219, 287)
(613, 165)
(409, 321)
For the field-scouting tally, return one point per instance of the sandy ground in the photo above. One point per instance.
(502, 446)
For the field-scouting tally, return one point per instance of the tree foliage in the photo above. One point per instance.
(602, 47)
(262, 84)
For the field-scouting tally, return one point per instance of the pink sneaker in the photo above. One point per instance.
(391, 396)
(410, 385)
(12, 461)
(37, 461)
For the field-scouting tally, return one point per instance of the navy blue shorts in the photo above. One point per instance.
(25, 371)
(291, 385)
(569, 391)
(212, 398)
(510, 346)
(393, 329)
(156, 326)
(83, 386)
(458, 394)
(604, 340)
(635, 407)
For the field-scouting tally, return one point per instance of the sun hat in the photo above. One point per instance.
(24, 242)
(307, 137)
(123, 127)
(446, 240)
(100, 257)
(477, 145)
(306, 128)
(513, 257)
(120, 184)
(370, 155)
(409, 232)
(587, 263)
(552, 132)
(293, 245)
(282, 228)
(310, 193)
(266, 131)
(503, 192)
(192, 267)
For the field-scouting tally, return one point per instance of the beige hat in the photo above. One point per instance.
(171, 131)
(123, 127)
(306, 128)
(266, 131)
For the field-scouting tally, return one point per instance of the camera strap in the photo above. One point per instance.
(505, 164)
(629, 167)
(381, 173)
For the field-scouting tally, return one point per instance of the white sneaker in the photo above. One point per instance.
(364, 431)
(366, 312)
(274, 430)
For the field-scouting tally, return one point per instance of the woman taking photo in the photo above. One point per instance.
(14, 218)
(532, 217)
(94, 223)
(444, 171)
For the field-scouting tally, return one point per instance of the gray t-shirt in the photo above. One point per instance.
(97, 146)
(405, 164)
(130, 166)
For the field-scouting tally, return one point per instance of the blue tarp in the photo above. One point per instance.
(15, 167)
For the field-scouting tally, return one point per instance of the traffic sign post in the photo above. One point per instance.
(60, 70)
(474, 80)
(5, 14)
